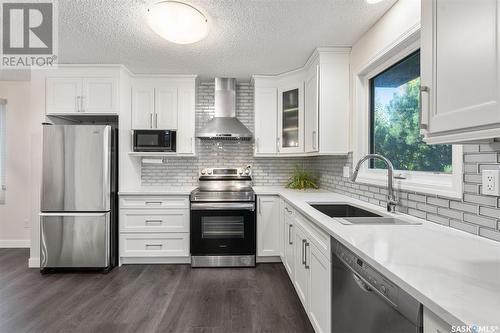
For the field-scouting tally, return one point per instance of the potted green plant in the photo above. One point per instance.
(302, 180)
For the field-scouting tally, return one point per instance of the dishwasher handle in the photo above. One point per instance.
(361, 284)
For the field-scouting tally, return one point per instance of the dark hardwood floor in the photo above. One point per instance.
(148, 298)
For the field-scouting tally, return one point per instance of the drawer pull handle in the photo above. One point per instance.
(154, 246)
(154, 221)
(153, 202)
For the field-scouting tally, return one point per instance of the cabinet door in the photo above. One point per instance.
(301, 274)
(63, 95)
(268, 226)
(288, 240)
(100, 95)
(319, 291)
(265, 121)
(434, 324)
(291, 120)
(186, 121)
(460, 69)
(143, 106)
(311, 100)
(165, 107)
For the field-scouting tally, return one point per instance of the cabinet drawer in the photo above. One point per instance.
(154, 202)
(316, 235)
(161, 220)
(154, 245)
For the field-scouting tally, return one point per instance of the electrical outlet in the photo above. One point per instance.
(491, 182)
(347, 172)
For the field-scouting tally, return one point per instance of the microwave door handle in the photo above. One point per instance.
(156, 120)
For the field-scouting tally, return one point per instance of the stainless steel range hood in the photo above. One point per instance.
(225, 125)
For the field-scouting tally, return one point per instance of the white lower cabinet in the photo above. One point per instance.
(308, 264)
(154, 229)
(434, 324)
(268, 226)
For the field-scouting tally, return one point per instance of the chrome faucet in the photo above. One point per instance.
(392, 200)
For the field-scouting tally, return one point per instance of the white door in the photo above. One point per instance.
(291, 119)
(63, 95)
(143, 106)
(288, 240)
(319, 291)
(165, 107)
(460, 64)
(100, 95)
(301, 274)
(311, 101)
(268, 226)
(265, 121)
(186, 121)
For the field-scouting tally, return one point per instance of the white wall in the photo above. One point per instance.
(400, 20)
(15, 214)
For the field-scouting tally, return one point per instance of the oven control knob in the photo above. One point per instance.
(247, 171)
(203, 171)
(383, 289)
(209, 172)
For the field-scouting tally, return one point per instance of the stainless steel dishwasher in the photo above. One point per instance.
(365, 301)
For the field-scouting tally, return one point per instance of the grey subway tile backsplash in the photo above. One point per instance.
(474, 213)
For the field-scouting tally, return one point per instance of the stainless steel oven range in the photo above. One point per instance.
(223, 225)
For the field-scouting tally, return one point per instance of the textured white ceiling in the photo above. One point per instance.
(246, 36)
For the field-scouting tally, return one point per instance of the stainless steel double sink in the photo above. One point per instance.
(353, 215)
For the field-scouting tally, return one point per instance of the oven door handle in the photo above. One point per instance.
(222, 206)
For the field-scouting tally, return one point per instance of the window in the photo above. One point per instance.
(3, 119)
(386, 104)
(394, 121)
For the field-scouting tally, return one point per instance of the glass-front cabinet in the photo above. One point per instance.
(291, 120)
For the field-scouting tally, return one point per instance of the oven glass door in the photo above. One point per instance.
(227, 232)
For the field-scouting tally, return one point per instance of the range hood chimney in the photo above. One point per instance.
(225, 125)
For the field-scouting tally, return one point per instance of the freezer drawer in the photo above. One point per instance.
(76, 173)
(74, 240)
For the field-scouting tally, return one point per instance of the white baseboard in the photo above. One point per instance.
(270, 259)
(14, 243)
(34, 263)
(155, 260)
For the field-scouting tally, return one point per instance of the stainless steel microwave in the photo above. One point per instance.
(154, 140)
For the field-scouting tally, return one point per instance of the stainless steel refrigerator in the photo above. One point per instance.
(78, 222)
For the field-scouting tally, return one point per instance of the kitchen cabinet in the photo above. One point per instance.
(154, 105)
(291, 118)
(82, 95)
(301, 265)
(266, 127)
(434, 324)
(319, 290)
(268, 226)
(311, 110)
(166, 103)
(154, 229)
(288, 242)
(289, 107)
(307, 259)
(460, 82)
(186, 120)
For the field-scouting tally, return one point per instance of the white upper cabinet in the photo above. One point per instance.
(186, 120)
(69, 95)
(166, 107)
(143, 105)
(460, 70)
(266, 113)
(268, 226)
(291, 118)
(311, 109)
(306, 111)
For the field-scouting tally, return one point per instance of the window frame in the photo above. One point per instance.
(441, 184)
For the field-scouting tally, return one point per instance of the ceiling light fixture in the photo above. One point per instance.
(177, 22)
(372, 2)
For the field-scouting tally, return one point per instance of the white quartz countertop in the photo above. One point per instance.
(158, 190)
(453, 273)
